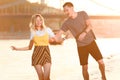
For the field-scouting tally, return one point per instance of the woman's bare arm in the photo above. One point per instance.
(29, 47)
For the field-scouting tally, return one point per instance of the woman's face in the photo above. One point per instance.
(38, 22)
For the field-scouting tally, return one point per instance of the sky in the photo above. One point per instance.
(93, 7)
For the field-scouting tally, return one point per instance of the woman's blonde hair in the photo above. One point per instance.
(32, 22)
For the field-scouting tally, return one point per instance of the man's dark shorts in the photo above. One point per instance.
(92, 49)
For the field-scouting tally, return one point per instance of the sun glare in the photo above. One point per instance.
(103, 7)
(33, 1)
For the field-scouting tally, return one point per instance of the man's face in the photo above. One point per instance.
(68, 11)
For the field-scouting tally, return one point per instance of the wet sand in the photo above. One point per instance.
(16, 65)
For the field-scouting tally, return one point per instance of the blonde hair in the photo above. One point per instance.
(32, 22)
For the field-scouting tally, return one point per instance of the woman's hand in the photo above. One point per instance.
(53, 41)
(13, 48)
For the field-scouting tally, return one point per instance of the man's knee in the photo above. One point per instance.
(101, 62)
(84, 67)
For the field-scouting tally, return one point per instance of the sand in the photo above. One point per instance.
(16, 65)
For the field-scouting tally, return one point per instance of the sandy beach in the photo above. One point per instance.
(16, 65)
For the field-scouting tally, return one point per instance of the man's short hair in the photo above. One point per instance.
(69, 4)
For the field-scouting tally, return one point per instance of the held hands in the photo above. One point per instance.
(57, 40)
(54, 41)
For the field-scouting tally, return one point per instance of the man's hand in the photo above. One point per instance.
(53, 41)
(82, 36)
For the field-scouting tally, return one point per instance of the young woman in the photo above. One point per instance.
(41, 36)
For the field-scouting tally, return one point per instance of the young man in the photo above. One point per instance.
(80, 26)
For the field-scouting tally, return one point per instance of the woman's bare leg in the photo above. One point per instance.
(39, 71)
(47, 68)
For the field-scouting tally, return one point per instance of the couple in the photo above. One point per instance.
(79, 25)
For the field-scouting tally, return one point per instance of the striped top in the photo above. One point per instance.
(77, 26)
